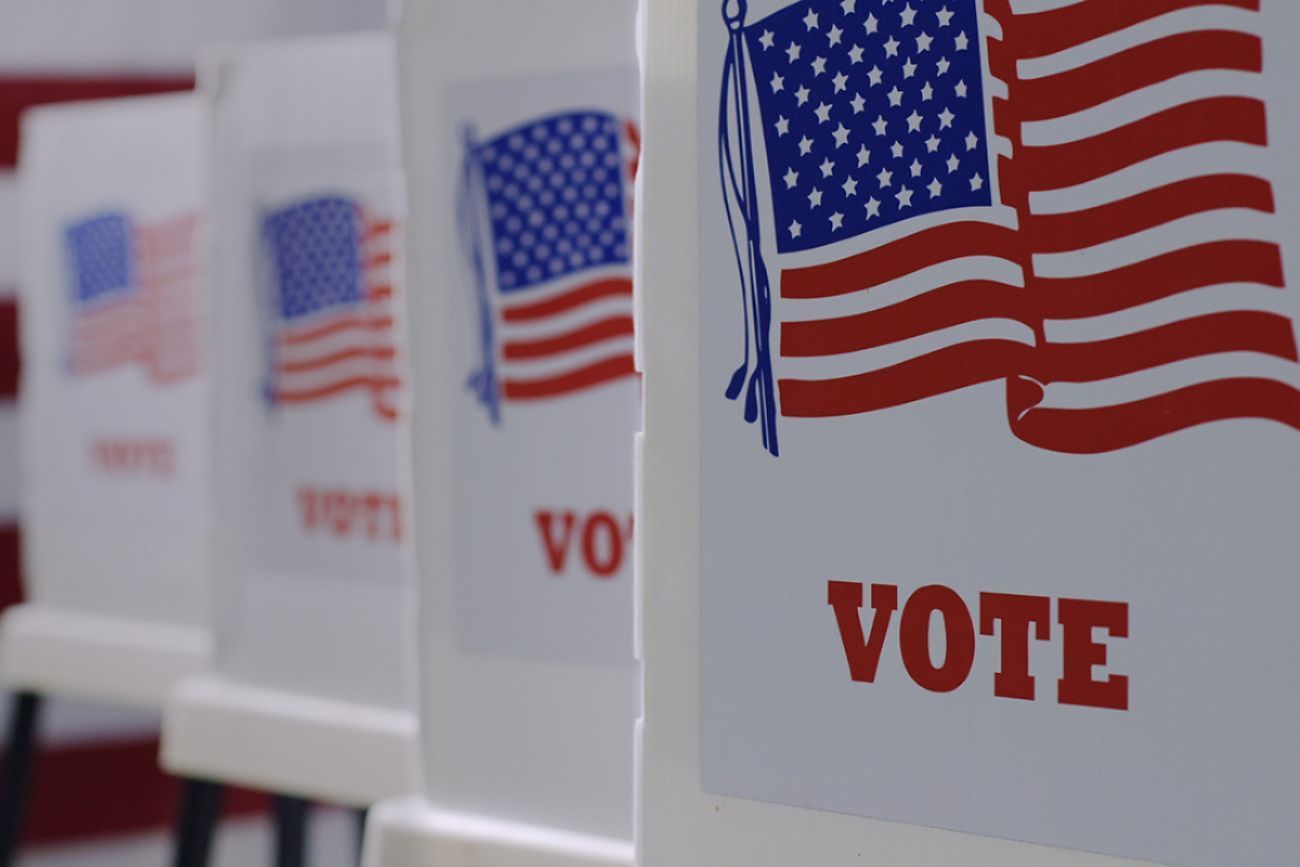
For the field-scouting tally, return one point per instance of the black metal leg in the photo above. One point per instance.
(361, 813)
(291, 831)
(20, 752)
(197, 822)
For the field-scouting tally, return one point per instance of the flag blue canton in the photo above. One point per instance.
(101, 250)
(872, 113)
(315, 247)
(555, 198)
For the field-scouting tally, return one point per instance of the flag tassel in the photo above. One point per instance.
(483, 382)
(738, 182)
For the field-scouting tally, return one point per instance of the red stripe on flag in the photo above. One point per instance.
(378, 353)
(584, 377)
(1108, 428)
(1054, 233)
(586, 335)
(1131, 70)
(343, 323)
(1235, 331)
(1216, 119)
(307, 395)
(1043, 33)
(898, 259)
(570, 300)
(377, 228)
(1195, 267)
(936, 373)
(941, 308)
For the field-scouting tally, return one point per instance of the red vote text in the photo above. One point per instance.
(599, 541)
(145, 457)
(375, 516)
(1078, 629)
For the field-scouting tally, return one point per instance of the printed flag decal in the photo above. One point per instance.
(133, 295)
(544, 214)
(1083, 218)
(331, 263)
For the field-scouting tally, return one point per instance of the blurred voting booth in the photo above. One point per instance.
(114, 425)
(97, 751)
(310, 692)
(115, 488)
(972, 433)
(522, 137)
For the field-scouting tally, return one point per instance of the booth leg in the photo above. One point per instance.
(197, 822)
(19, 753)
(291, 831)
(362, 813)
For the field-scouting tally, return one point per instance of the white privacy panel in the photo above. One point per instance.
(311, 444)
(116, 483)
(971, 432)
(315, 611)
(522, 134)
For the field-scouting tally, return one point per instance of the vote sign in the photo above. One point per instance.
(999, 418)
(332, 378)
(312, 445)
(544, 486)
(114, 423)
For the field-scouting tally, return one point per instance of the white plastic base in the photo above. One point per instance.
(409, 832)
(332, 751)
(126, 662)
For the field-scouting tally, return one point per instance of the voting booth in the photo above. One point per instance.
(115, 482)
(310, 691)
(972, 433)
(522, 140)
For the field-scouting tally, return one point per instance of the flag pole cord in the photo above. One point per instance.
(739, 182)
(482, 382)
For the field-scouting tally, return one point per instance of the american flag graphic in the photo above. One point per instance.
(331, 263)
(1087, 216)
(544, 210)
(133, 295)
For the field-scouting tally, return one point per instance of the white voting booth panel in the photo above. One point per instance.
(115, 477)
(522, 139)
(311, 688)
(971, 443)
